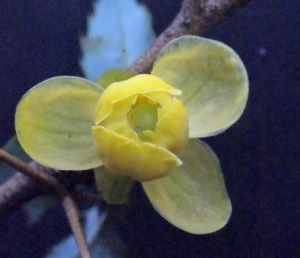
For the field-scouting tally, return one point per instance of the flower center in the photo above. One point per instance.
(143, 115)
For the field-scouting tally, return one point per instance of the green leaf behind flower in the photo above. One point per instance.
(13, 147)
(113, 75)
(114, 188)
(118, 32)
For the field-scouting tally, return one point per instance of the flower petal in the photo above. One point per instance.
(139, 161)
(193, 197)
(172, 124)
(143, 83)
(54, 121)
(212, 78)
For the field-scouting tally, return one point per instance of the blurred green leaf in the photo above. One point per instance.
(119, 31)
(114, 188)
(112, 76)
(14, 148)
(36, 208)
(109, 243)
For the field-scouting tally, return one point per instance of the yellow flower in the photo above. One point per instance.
(139, 128)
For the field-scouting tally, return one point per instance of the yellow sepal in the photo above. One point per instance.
(213, 80)
(193, 197)
(53, 123)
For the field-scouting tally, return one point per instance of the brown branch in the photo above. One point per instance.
(42, 178)
(195, 18)
(75, 223)
(50, 183)
(20, 188)
(87, 196)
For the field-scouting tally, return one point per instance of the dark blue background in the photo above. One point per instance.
(259, 155)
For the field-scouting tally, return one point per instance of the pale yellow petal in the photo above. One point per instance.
(212, 78)
(193, 197)
(54, 122)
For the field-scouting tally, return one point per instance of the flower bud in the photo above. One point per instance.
(140, 128)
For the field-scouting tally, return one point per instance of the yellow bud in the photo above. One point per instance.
(140, 128)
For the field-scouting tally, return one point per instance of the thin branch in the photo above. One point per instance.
(50, 182)
(195, 18)
(42, 178)
(76, 226)
(87, 196)
(20, 188)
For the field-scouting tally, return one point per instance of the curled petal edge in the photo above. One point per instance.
(139, 161)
